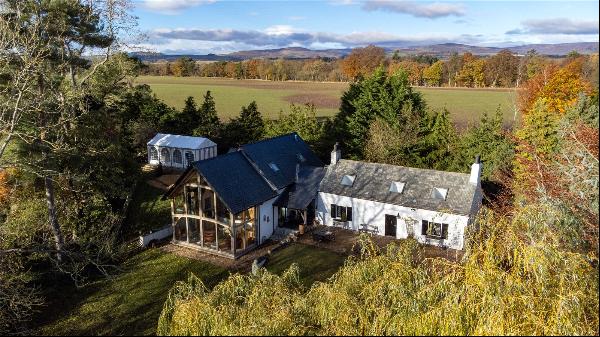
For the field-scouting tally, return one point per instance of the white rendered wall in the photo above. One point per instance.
(267, 219)
(373, 213)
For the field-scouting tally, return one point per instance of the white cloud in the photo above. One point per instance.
(285, 36)
(556, 26)
(429, 10)
(172, 6)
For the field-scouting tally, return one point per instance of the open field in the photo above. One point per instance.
(465, 105)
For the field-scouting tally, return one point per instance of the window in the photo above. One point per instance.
(434, 229)
(165, 156)
(274, 167)
(177, 156)
(397, 187)
(440, 193)
(153, 154)
(348, 180)
(341, 212)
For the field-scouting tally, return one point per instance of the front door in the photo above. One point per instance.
(390, 225)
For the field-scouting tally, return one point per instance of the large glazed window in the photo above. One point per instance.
(222, 212)
(209, 232)
(208, 203)
(250, 226)
(180, 230)
(194, 227)
(224, 238)
(192, 199)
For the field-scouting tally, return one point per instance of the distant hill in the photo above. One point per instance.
(439, 50)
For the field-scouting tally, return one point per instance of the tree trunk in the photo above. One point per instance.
(54, 225)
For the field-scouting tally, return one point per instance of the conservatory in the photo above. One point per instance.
(203, 221)
(178, 151)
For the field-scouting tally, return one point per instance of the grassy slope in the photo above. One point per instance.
(316, 264)
(131, 303)
(465, 104)
(147, 211)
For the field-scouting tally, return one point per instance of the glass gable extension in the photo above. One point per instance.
(202, 220)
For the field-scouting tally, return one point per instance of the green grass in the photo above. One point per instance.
(129, 304)
(147, 211)
(465, 105)
(316, 264)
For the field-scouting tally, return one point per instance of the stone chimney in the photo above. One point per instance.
(475, 177)
(336, 154)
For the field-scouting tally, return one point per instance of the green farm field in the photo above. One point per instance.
(465, 105)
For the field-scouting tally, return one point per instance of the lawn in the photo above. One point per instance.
(316, 264)
(131, 302)
(465, 105)
(147, 211)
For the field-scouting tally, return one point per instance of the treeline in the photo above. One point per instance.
(531, 258)
(467, 70)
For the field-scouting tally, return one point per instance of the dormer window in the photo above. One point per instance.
(348, 180)
(274, 167)
(440, 193)
(397, 187)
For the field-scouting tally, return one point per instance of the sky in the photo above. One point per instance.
(225, 26)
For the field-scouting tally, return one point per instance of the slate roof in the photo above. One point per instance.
(373, 182)
(179, 141)
(283, 151)
(300, 194)
(235, 181)
(243, 178)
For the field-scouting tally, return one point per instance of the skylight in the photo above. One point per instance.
(440, 193)
(274, 167)
(397, 186)
(301, 157)
(348, 180)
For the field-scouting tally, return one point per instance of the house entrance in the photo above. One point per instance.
(390, 225)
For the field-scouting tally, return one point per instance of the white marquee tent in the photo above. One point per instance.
(179, 151)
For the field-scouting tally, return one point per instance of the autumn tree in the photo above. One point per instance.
(183, 66)
(501, 69)
(433, 74)
(362, 61)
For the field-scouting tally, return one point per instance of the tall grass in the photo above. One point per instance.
(512, 281)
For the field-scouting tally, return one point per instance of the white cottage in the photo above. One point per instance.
(179, 151)
(434, 207)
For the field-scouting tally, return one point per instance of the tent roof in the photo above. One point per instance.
(179, 141)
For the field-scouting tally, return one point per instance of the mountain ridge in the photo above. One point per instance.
(442, 50)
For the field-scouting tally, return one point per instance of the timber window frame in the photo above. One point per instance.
(434, 230)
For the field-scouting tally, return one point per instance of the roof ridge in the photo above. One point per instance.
(272, 138)
(400, 166)
(257, 169)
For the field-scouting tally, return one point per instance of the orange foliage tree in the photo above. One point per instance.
(362, 61)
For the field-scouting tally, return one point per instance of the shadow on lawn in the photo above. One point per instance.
(128, 304)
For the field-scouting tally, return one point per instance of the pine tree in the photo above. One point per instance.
(389, 97)
(246, 128)
(209, 124)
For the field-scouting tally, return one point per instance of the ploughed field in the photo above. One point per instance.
(465, 105)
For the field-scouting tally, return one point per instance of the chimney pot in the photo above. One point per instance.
(336, 154)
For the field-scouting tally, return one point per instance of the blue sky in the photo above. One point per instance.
(223, 26)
